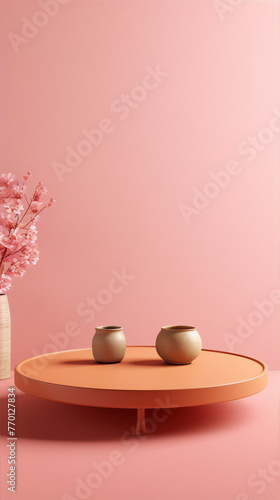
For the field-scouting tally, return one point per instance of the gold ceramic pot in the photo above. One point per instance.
(178, 344)
(108, 344)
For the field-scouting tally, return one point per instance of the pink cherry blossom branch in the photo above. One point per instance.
(28, 206)
(36, 215)
(18, 235)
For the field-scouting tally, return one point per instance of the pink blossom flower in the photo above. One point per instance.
(32, 233)
(14, 241)
(6, 179)
(19, 191)
(5, 283)
(14, 206)
(17, 268)
(39, 191)
(7, 221)
(7, 186)
(35, 206)
(31, 253)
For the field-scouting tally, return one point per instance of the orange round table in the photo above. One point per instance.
(142, 380)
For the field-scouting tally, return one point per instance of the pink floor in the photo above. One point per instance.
(227, 451)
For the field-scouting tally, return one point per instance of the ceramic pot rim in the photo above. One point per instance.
(178, 328)
(109, 327)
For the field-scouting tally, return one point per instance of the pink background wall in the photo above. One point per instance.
(126, 205)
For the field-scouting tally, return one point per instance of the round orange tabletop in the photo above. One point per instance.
(142, 380)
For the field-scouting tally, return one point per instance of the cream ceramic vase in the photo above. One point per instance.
(5, 338)
(108, 344)
(178, 344)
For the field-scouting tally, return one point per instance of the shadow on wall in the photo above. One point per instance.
(42, 419)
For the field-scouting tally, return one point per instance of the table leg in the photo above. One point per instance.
(140, 426)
